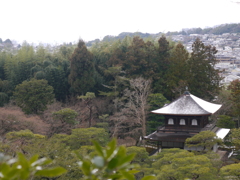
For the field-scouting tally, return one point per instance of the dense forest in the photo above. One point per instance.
(56, 102)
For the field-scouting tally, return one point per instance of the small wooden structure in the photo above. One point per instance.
(184, 117)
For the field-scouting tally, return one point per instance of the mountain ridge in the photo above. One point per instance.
(217, 30)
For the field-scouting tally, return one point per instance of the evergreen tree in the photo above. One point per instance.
(234, 88)
(57, 78)
(155, 101)
(177, 72)
(55, 69)
(162, 65)
(204, 80)
(3, 57)
(33, 96)
(164, 53)
(138, 60)
(81, 77)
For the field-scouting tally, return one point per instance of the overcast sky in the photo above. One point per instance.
(56, 21)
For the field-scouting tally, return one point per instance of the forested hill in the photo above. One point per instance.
(218, 30)
(122, 35)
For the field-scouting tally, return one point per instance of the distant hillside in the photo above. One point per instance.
(122, 35)
(9, 45)
(6, 43)
(217, 30)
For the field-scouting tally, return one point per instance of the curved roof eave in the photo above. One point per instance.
(207, 114)
(188, 105)
(210, 107)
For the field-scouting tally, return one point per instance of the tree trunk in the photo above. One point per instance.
(90, 116)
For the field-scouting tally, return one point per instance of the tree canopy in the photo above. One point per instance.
(205, 139)
(81, 77)
(33, 96)
(204, 80)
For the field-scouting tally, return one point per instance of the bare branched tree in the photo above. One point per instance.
(138, 100)
(130, 121)
(124, 125)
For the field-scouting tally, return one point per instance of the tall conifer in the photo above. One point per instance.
(81, 76)
(204, 80)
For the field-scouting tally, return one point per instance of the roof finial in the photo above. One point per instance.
(186, 92)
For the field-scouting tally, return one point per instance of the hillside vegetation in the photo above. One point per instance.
(55, 102)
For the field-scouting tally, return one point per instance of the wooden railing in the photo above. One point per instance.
(176, 129)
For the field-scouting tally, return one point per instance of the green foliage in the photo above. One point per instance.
(139, 59)
(110, 64)
(234, 87)
(21, 168)
(17, 67)
(88, 96)
(141, 155)
(214, 158)
(23, 134)
(21, 138)
(225, 121)
(231, 171)
(164, 48)
(5, 86)
(3, 58)
(176, 164)
(204, 80)
(235, 137)
(104, 117)
(86, 151)
(54, 68)
(57, 78)
(104, 125)
(66, 115)
(81, 77)
(218, 30)
(224, 98)
(204, 139)
(55, 149)
(141, 158)
(116, 81)
(162, 65)
(177, 73)
(3, 98)
(81, 137)
(226, 28)
(155, 101)
(111, 162)
(33, 96)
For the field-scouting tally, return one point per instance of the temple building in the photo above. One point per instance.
(184, 117)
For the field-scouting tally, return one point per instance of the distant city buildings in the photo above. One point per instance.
(228, 55)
